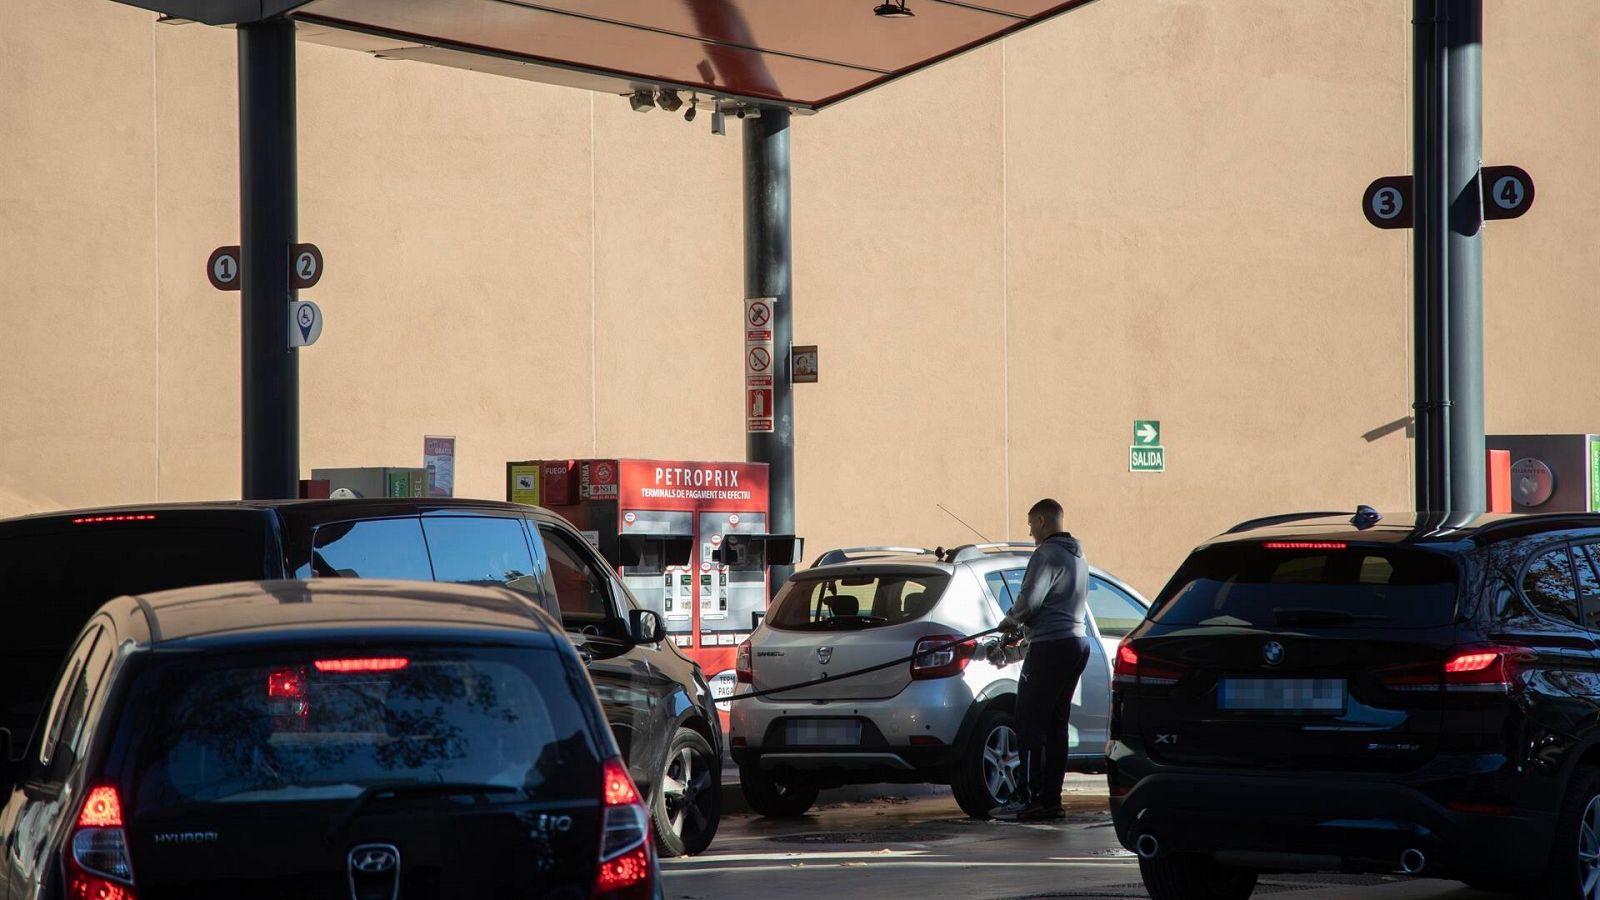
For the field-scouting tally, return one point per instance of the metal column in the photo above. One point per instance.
(1448, 151)
(268, 212)
(768, 273)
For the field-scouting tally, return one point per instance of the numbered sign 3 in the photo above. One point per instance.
(1507, 192)
(306, 266)
(222, 268)
(1388, 202)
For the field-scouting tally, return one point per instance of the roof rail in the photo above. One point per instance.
(1534, 520)
(971, 552)
(845, 554)
(1280, 519)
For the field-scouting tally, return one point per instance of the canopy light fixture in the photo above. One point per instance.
(689, 114)
(893, 9)
(669, 100)
(642, 101)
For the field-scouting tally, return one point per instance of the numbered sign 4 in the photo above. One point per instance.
(1388, 202)
(305, 266)
(1507, 192)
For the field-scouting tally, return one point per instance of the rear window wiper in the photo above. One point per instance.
(1323, 616)
(854, 621)
(397, 788)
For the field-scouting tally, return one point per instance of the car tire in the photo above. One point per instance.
(773, 798)
(990, 769)
(1577, 836)
(688, 796)
(1193, 876)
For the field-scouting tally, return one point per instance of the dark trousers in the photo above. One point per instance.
(1050, 675)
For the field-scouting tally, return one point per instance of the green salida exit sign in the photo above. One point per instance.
(1147, 454)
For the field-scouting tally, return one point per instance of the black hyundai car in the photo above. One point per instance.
(57, 568)
(1415, 694)
(326, 741)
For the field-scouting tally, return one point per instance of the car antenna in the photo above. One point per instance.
(963, 522)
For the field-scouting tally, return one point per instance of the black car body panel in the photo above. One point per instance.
(1451, 728)
(62, 566)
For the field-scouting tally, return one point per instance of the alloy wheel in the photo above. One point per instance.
(1002, 764)
(686, 779)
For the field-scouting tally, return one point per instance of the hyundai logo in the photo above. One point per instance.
(374, 866)
(824, 654)
(1272, 653)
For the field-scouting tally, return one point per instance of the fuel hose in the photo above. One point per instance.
(829, 679)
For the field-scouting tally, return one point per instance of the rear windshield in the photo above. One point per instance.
(323, 726)
(855, 601)
(1351, 587)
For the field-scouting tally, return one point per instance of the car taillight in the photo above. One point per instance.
(1130, 669)
(626, 855)
(99, 867)
(371, 664)
(939, 656)
(744, 671)
(1477, 669)
(104, 520)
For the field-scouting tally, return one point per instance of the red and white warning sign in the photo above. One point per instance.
(629, 518)
(759, 362)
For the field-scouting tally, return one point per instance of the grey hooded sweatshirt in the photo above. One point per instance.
(1055, 590)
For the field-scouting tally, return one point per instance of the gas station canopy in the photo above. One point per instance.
(802, 54)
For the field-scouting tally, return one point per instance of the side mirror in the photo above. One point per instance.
(644, 626)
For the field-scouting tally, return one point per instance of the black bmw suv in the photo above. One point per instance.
(1415, 694)
(57, 568)
(324, 740)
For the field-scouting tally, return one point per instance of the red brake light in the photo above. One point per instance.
(101, 809)
(1129, 669)
(619, 789)
(375, 664)
(97, 520)
(744, 671)
(286, 684)
(1470, 662)
(624, 872)
(88, 887)
(1127, 661)
(937, 658)
(1306, 545)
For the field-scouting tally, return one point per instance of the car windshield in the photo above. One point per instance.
(1307, 585)
(328, 725)
(851, 602)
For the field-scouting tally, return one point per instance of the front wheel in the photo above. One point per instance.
(774, 799)
(1573, 872)
(688, 801)
(989, 773)
(1192, 876)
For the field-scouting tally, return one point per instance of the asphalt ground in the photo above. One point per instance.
(887, 841)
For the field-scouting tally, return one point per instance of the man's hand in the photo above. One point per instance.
(1009, 625)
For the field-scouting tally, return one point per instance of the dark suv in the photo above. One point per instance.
(56, 569)
(1419, 694)
(324, 740)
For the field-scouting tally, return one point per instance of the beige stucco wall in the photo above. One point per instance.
(1143, 209)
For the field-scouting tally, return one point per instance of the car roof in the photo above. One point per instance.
(1405, 527)
(260, 612)
(310, 509)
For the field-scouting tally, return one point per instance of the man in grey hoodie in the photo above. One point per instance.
(1051, 606)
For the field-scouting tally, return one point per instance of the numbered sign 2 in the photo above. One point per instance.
(305, 266)
(1388, 202)
(1507, 192)
(222, 268)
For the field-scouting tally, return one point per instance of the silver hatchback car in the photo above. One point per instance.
(943, 718)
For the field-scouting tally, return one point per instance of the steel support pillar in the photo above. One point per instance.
(768, 273)
(268, 212)
(1448, 152)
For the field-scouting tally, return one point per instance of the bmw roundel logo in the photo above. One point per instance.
(1272, 653)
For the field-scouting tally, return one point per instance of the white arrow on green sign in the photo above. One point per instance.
(1146, 433)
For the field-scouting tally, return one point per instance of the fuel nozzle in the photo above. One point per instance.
(1005, 650)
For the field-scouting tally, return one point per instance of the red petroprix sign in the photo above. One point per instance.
(652, 484)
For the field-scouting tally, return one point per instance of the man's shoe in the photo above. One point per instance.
(1009, 810)
(1034, 813)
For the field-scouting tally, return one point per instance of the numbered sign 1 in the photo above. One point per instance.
(1507, 192)
(223, 268)
(1388, 202)
(306, 266)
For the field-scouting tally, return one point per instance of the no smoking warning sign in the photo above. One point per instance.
(758, 364)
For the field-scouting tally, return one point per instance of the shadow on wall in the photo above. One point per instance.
(1408, 424)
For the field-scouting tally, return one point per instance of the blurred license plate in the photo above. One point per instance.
(824, 732)
(1290, 695)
